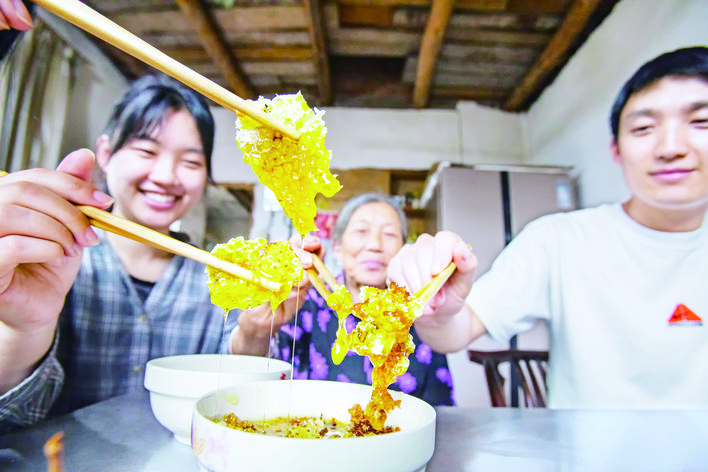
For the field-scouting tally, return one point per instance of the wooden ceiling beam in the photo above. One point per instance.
(211, 37)
(470, 93)
(129, 66)
(483, 5)
(430, 48)
(234, 19)
(197, 54)
(320, 55)
(365, 15)
(554, 54)
(537, 7)
(496, 37)
(373, 42)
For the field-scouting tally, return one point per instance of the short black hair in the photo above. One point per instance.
(686, 62)
(143, 106)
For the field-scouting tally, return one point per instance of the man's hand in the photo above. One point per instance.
(416, 264)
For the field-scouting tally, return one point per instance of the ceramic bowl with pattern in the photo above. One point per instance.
(175, 383)
(219, 448)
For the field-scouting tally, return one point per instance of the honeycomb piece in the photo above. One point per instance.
(272, 261)
(383, 335)
(296, 171)
(341, 302)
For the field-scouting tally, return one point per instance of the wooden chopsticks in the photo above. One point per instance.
(89, 20)
(122, 227)
(423, 295)
(314, 276)
(431, 288)
(54, 452)
(128, 229)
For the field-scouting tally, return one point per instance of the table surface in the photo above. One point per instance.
(121, 435)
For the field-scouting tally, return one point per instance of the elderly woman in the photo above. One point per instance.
(369, 231)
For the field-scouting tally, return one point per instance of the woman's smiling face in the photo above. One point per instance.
(369, 242)
(156, 180)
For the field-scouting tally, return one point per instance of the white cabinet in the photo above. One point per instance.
(487, 207)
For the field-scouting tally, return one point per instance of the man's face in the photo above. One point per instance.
(662, 146)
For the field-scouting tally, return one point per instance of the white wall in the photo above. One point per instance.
(358, 138)
(411, 139)
(396, 139)
(227, 159)
(490, 136)
(95, 86)
(569, 124)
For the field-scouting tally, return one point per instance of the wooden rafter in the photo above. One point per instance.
(129, 66)
(484, 5)
(320, 55)
(430, 48)
(199, 55)
(211, 37)
(366, 53)
(469, 93)
(555, 52)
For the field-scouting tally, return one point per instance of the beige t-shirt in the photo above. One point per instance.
(619, 299)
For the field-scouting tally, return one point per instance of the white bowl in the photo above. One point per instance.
(175, 383)
(222, 449)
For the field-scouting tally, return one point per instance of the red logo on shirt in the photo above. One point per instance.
(684, 316)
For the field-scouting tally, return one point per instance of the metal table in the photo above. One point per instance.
(121, 435)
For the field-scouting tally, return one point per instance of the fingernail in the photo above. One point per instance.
(102, 198)
(90, 237)
(22, 13)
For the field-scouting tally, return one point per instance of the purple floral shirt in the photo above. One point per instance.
(314, 330)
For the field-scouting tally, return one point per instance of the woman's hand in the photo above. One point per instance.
(13, 14)
(255, 326)
(42, 236)
(416, 264)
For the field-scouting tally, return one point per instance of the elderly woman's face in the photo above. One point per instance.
(372, 237)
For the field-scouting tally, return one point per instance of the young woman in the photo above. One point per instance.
(82, 311)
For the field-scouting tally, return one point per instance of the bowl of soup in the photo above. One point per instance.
(175, 383)
(220, 448)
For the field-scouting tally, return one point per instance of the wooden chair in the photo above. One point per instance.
(530, 367)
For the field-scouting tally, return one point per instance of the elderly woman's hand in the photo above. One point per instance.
(305, 249)
(13, 14)
(416, 264)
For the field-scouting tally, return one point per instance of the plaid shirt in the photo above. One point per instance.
(106, 334)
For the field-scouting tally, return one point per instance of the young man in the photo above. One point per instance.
(623, 285)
